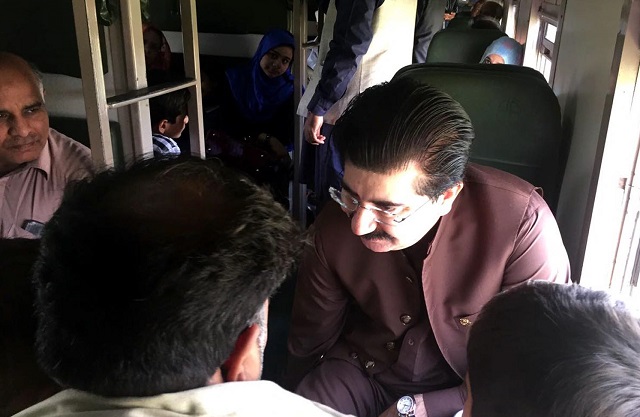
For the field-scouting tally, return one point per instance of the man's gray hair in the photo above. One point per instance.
(544, 349)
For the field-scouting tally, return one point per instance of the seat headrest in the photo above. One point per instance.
(515, 116)
(463, 46)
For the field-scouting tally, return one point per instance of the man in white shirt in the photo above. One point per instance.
(152, 289)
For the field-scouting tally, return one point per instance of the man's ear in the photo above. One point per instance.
(240, 364)
(448, 197)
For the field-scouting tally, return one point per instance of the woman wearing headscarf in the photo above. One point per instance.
(256, 114)
(259, 99)
(503, 50)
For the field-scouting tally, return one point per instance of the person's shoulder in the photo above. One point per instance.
(267, 398)
(70, 158)
(164, 145)
(64, 143)
(489, 178)
(502, 190)
(292, 404)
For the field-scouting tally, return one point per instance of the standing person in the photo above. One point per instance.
(554, 350)
(416, 241)
(430, 16)
(36, 162)
(363, 43)
(176, 325)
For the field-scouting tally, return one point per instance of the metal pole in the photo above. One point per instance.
(191, 53)
(299, 198)
(95, 100)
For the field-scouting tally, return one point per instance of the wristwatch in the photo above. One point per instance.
(406, 406)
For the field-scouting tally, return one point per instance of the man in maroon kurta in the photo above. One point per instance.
(386, 294)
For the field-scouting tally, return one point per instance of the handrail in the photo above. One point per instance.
(299, 190)
(146, 93)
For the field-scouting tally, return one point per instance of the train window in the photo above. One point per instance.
(612, 251)
(546, 45)
(512, 16)
(550, 33)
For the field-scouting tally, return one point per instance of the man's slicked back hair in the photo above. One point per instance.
(551, 350)
(390, 125)
(147, 275)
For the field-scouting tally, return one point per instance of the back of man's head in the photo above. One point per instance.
(147, 275)
(390, 125)
(550, 350)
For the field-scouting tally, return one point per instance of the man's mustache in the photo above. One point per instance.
(378, 235)
(20, 141)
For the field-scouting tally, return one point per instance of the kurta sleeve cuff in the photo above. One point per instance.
(421, 410)
(442, 403)
(318, 105)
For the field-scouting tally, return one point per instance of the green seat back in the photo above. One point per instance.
(464, 46)
(78, 130)
(515, 115)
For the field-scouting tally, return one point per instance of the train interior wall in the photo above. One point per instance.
(583, 82)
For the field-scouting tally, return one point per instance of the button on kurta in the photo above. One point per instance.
(465, 321)
(354, 355)
(369, 364)
(405, 319)
(390, 345)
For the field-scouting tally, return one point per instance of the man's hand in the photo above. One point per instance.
(419, 411)
(312, 127)
(390, 412)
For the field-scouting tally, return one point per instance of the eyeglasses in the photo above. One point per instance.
(391, 218)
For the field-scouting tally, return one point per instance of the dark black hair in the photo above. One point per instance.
(491, 9)
(168, 106)
(552, 350)
(147, 275)
(390, 125)
(22, 382)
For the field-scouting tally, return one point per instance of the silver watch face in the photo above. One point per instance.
(405, 405)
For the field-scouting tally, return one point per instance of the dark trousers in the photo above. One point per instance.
(347, 388)
(429, 19)
(322, 167)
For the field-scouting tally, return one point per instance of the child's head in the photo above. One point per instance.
(169, 113)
